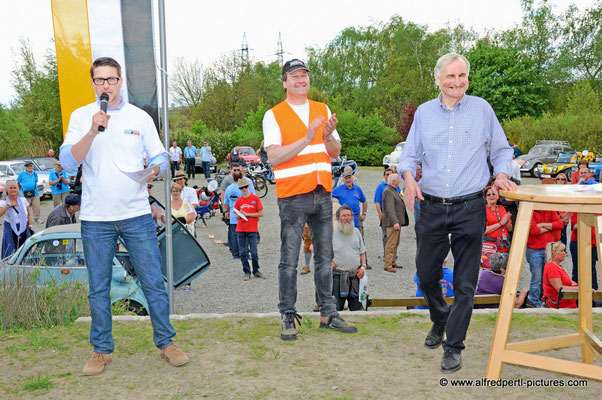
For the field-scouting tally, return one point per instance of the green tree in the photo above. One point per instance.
(508, 80)
(15, 139)
(37, 93)
(583, 99)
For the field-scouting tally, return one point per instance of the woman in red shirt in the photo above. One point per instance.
(555, 277)
(498, 222)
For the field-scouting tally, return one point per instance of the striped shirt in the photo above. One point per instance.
(452, 146)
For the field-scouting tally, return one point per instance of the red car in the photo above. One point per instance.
(248, 154)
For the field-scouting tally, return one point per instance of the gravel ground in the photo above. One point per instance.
(221, 288)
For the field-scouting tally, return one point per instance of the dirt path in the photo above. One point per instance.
(243, 358)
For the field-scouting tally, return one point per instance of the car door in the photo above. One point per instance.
(189, 257)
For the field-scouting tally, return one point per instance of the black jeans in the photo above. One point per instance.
(190, 167)
(460, 227)
(352, 301)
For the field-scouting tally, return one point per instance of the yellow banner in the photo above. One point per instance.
(73, 55)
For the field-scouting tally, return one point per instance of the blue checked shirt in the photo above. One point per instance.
(452, 146)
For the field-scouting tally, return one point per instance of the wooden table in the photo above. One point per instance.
(555, 198)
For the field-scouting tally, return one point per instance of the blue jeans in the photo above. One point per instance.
(247, 241)
(232, 240)
(315, 209)
(465, 222)
(174, 166)
(99, 239)
(206, 169)
(575, 258)
(537, 260)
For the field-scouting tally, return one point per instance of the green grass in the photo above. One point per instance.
(38, 383)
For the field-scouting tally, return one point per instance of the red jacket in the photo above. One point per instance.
(574, 233)
(538, 240)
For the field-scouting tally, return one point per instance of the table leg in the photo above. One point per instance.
(584, 242)
(515, 263)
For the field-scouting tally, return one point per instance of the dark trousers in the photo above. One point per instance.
(206, 169)
(175, 166)
(247, 241)
(190, 167)
(465, 222)
(575, 259)
(352, 301)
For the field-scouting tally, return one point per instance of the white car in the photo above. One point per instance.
(13, 168)
(393, 158)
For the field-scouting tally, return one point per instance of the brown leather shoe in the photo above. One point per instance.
(97, 363)
(390, 269)
(305, 271)
(397, 266)
(175, 356)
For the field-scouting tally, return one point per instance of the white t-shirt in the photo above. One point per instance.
(271, 130)
(108, 194)
(175, 154)
(189, 196)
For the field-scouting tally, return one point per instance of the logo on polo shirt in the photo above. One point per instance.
(131, 132)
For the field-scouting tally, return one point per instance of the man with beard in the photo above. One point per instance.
(349, 263)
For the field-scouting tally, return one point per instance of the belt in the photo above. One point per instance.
(453, 200)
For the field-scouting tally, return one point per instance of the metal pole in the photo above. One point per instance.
(165, 114)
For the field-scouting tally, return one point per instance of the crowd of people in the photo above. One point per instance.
(443, 170)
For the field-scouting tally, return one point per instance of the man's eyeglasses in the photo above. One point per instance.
(113, 80)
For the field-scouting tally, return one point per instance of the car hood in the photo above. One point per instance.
(528, 157)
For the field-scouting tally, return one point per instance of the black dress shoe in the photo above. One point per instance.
(435, 336)
(451, 361)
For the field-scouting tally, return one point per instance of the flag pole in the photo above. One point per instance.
(165, 115)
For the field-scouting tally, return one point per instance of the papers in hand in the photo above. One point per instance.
(241, 215)
(141, 176)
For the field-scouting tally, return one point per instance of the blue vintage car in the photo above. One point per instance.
(57, 253)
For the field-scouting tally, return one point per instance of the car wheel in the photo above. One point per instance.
(136, 308)
(535, 171)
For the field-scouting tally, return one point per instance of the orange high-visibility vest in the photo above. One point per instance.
(300, 174)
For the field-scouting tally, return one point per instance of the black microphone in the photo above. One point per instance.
(104, 101)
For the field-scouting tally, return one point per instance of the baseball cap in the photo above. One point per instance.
(73, 200)
(292, 66)
(28, 163)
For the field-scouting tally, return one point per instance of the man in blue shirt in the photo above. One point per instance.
(206, 159)
(352, 195)
(189, 156)
(28, 180)
(450, 136)
(59, 184)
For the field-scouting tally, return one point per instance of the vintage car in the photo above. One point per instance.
(563, 163)
(595, 164)
(544, 152)
(393, 158)
(57, 253)
(248, 154)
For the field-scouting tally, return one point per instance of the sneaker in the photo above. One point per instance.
(368, 266)
(174, 356)
(390, 269)
(259, 275)
(97, 363)
(316, 308)
(397, 266)
(38, 221)
(305, 271)
(247, 277)
(288, 331)
(338, 324)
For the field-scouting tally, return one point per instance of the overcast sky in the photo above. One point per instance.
(204, 30)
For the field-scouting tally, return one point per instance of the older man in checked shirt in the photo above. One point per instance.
(450, 136)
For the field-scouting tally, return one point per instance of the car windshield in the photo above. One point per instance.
(18, 167)
(399, 147)
(564, 158)
(46, 163)
(538, 151)
(246, 150)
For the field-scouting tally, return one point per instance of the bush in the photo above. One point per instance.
(25, 304)
(368, 155)
(583, 131)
